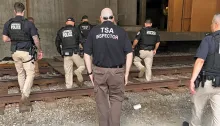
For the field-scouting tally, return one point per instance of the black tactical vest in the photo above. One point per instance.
(212, 62)
(16, 31)
(85, 28)
(69, 36)
(148, 37)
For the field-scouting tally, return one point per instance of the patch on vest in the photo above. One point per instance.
(85, 27)
(67, 33)
(151, 33)
(15, 26)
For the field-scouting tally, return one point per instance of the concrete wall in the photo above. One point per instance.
(50, 16)
(127, 12)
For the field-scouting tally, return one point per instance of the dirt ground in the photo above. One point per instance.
(156, 110)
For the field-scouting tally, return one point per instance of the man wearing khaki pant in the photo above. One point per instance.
(148, 41)
(21, 32)
(205, 81)
(67, 43)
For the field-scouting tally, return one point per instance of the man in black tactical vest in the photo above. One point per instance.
(205, 80)
(67, 43)
(85, 27)
(21, 33)
(147, 41)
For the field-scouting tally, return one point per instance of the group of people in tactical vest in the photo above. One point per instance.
(26, 49)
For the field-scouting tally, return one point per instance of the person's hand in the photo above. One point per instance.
(40, 55)
(92, 79)
(192, 87)
(155, 52)
(126, 79)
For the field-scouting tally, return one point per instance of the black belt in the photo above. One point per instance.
(26, 50)
(119, 66)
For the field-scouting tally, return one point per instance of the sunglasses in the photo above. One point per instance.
(106, 18)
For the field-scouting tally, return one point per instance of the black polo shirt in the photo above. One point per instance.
(207, 46)
(109, 45)
(29, 27)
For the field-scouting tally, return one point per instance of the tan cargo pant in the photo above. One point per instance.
(68, 68)
(109, 93)
(199, 101)
(147, 56)
(37, 72)
(25, 71)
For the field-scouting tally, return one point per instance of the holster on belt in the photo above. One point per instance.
(216, 81)
(201, 78)
(33, 52)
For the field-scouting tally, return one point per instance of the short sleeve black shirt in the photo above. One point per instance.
(109, 45)
(207, 46)
(29, 27)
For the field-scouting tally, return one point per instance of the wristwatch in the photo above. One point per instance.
(90, 73)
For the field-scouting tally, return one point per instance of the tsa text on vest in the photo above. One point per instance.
(67, 33)
(107, 33)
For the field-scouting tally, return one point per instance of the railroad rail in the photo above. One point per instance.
(56, 65)
(88, 91)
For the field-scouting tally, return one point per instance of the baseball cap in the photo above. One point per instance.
(70, 19)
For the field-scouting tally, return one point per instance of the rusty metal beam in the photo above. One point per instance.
(28, 8)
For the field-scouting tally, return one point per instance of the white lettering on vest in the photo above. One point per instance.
(16, 26)
(67, 33)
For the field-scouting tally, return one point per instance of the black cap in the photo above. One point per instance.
(148, 20)
(70, 19)
(85, 17)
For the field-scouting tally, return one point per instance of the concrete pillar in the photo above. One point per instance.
(114, 7)
(142, 11)
(107, 3)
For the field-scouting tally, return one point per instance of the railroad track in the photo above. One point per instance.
(46, 94)
(161, 59)
(51, 95)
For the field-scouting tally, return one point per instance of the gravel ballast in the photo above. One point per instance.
(156, 110)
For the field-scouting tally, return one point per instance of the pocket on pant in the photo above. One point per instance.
(117, 94)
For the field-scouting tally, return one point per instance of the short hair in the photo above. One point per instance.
(19, 7)
(148, 20)
(85, 17)
(30, 18)
(216, 18)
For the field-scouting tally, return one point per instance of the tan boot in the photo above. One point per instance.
(79, 76)
(25, 105)
(141, 73)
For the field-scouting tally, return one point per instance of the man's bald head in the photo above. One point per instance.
(107, 15)
(215, 23)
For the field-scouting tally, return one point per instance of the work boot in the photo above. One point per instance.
(79, 76)
(185, 123)
(141, 73)
(25, 105)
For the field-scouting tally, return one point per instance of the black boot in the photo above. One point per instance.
(185, 123)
